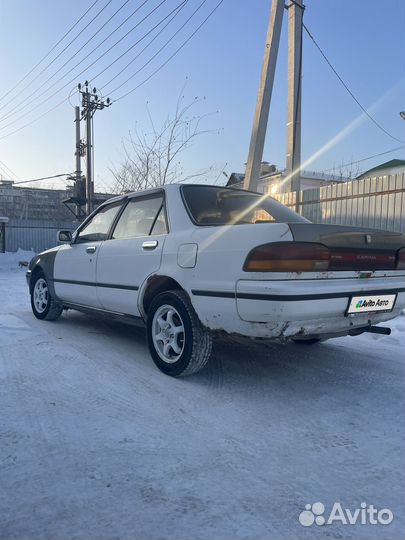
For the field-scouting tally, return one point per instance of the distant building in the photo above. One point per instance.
(273, 181)
(3, 221)
(394, 166)
(34, 216)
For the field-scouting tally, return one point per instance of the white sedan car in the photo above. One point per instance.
(189, 261)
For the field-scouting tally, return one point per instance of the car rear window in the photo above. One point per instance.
(210, 205)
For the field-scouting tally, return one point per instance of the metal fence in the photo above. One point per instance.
(376, 202)
(33, 234)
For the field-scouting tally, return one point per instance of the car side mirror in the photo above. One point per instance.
(64, 237)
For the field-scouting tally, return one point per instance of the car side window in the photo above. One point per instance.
(160, 225)
(142, 217)
(97, 228)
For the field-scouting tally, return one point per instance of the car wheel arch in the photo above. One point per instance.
(36, 271)
(155, 285)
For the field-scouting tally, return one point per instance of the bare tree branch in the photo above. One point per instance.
(152, 159)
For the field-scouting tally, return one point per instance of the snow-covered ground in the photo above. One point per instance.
(97, 443)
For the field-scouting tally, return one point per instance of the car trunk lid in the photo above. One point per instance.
(353, 248)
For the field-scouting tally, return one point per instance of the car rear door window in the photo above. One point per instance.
(142, 217)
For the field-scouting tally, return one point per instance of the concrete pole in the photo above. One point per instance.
(89, 164)
(78, 172)
(264, 96)
(295, 13)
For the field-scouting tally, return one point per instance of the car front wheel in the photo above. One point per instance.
(43, 304)
(178, 343)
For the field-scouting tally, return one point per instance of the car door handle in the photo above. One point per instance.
(91, 249)
(150, 244)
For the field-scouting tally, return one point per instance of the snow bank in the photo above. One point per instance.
(10, 261)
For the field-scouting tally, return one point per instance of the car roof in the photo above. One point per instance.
(172, 187)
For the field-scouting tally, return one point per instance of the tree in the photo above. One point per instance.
(152, 159)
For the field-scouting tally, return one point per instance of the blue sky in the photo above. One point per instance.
(363, 39)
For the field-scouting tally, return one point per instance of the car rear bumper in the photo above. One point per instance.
(300, 308)
(264, 301)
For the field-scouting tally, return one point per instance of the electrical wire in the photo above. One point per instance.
(17, 108)
(50, 51)
(172, 55)
(44, 178)
(161, 48)
(121, 97)
(58, 55)
(365, 159)
(87, 67)
(348, 89)
(3, 172)
(35, 119)
(172, 14)
(10, 171)
(176, 13)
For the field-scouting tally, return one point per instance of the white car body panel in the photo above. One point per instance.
(207, 263)
(125, 263)
(73, 263)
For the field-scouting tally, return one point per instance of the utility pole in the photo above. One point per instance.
(91, 102)
(264, 96)
(295, 15)
(78, 197)
(78, 152)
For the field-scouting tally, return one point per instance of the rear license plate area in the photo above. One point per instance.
(371, 303)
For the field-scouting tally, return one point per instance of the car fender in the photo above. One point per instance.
(46, 262)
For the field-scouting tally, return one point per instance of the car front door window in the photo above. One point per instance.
(96, 230)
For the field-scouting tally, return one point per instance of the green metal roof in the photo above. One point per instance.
(386, 165)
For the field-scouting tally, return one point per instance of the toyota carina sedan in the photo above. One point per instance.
(188, 261)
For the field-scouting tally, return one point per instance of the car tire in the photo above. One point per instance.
(43, 305)
(178, 342)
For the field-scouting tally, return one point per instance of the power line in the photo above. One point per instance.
(176, 13)
(44, 178)
(17, 108)
(88, 66)
(172, 14)
(143, 82)
(172, 55)
(348, 89)
(58, 55)
(366, 158)
(6, 168)
(3, 172)
(160, 50)
(35, 119)
(50, 51)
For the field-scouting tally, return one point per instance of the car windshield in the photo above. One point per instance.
(210, 205)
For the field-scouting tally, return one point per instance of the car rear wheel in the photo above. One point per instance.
(43, 304)
(178, 343)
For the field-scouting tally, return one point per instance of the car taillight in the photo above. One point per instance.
(352, 259)
(288, 257)
(400, 259)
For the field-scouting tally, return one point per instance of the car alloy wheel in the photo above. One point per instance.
(41, 295)
(168, 333)
(43, 304)
(178, 343)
